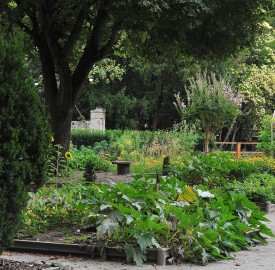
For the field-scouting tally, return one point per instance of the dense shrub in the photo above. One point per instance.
(87, 137)
(24, 138)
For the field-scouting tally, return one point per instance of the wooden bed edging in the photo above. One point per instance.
(158, 256)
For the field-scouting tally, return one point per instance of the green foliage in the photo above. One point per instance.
(84, 155)
(106, 70)
(194, 222)
(133, 145)
(266, 144)
(72, 36)
(218, 169)
(211, 102)
(57, 165)
(257, 187)
(252, 71)
(87, 137)
(213, 170)
(24, 138)
(248, 166)
(89, 174)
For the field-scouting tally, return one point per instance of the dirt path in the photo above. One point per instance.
(261, 257)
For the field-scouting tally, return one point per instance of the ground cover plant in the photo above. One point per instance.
(197, 225)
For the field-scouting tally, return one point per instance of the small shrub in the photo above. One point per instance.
(89, 174)
(81, 156)
(166, 166)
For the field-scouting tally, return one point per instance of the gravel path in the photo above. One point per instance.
(261, 257)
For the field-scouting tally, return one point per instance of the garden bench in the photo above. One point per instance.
(123, 167)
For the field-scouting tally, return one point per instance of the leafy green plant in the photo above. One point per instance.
(58, 165)
(257, 187)
(197, 224)
(81, 156)
(89, 174)
(266, 144)
(212, 170)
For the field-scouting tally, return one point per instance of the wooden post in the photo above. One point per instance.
(238, 149)
(157, 182)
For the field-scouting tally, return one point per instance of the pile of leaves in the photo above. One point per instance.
(196, 224)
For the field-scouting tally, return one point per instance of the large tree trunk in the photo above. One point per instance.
(59, 96)
(61, 126)
(61, 84)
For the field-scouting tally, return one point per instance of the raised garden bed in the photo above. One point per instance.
(266, 206)
(105, 253)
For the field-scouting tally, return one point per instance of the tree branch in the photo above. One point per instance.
(85, 64)
(108, 47)
(90, 54)
(75, 32)
(14, 19)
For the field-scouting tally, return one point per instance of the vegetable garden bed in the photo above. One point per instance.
(104, 252)
(195, 224)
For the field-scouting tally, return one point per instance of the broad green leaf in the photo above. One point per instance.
(145, 240)
(187, 195)
(134, 254)
(115, 216)
(107, 226)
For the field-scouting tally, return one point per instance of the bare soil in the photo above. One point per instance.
(19, 265)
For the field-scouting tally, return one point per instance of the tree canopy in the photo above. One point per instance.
(72, 35)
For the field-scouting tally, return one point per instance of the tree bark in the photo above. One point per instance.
(58, 96)
(206, 143)
(61, 127)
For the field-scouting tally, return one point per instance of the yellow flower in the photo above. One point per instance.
(68, 155)
(52, 138)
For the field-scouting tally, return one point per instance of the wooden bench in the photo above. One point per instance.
(123, 167)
